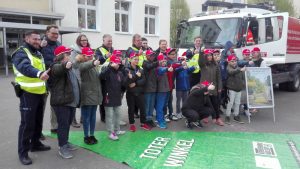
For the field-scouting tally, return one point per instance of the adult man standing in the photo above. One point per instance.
(31, 74)
(48, 45)
(163, 44)
(193, 56)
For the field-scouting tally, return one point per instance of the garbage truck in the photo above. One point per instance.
(276, 34)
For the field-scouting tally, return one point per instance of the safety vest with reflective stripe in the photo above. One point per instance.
(142, 57)
(194, 61)
(104, 53)
(28, 84)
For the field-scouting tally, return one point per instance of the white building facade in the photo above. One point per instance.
(120, 18)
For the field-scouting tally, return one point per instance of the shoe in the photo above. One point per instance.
(197, 124)
(93, 139)
(40, 147)
(120, 132)
(42, 137)
(75, 124)
(238, 119)
(136, 116)
(25, 160)
(173, 118)
(132, 128)
(71, 147)
(167, 119)
(64, 152)
(151, 123)
(87, 140)
(227, 120)
(53, 131)
(205, 120)
(113, 136)
(188, 124)
(179, 116)
(219, 122)
(122, 123)
(145, 127)
(162, 125)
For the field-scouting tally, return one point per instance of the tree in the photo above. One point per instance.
(179, 11)
(281, 5)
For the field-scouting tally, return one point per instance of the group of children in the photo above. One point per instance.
(147, 87)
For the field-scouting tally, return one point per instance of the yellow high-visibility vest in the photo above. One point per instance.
(29, 84)
(104, 53)
(142, 57)
(194, 62)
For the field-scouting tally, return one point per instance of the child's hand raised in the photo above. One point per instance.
(138, 73)
(129, 75)
(170, 69)
(68, 65)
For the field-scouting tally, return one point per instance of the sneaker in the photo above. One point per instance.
(71, 147)
(113, 136)
(64, 152)
(93, 139)
(238, 119)
(119, 132)
(145, 127)
(167, 119)
(87, 140)
(162, 125)
(205, 120)
(197, 124)
(132, 128)
(136, 116)
(53, 131)
(122, 123)
(173, 118)
(227, 120)
(179, 116)
(75, 124)
(42, 137)
(188, 125)
(152, 124)
(219, 122)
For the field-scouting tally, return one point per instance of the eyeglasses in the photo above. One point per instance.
(84, 40)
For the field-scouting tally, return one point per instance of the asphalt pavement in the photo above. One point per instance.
(287, 106)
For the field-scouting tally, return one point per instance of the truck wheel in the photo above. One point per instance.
(293, 86)
(283, 86)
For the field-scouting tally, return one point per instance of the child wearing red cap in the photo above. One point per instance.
(235, 84)
(162, 89)
(91, 94)
(114, 82)
(257, 59)
(135, 92)
(65, 97)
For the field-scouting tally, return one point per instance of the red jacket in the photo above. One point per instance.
(171, 76)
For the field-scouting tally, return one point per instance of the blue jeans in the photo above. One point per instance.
(88, 114)
(168, 104)
(149, 105)
(159, 106)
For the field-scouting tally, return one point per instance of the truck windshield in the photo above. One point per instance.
(215, 32)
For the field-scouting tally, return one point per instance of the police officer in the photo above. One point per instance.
(30, 74)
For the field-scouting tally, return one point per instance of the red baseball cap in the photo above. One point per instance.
(246, 52)
(184, 54)
(149, 52)
(61, 49)
(161, 57)
(169, 50)
(133, 54)
(87, 51)
(115, 59)
(205, 83)
(117, 52)
(208, 51)
(256, 49)
(216, 51)
(231, 57)
(181, 58)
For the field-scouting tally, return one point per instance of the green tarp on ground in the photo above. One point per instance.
(207, 150)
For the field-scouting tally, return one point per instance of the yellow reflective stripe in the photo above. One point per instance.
(35, 84)
(194, 62)
(103, 51)
(135, 49)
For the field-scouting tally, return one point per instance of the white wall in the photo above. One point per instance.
(107, 22)
(297, 7)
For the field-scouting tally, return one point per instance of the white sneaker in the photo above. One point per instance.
(113, 136)
(120, 132)
(174, 118)
(167, 118)
(122, 123)
(179, 116)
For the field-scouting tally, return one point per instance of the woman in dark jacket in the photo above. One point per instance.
(210, 72)
(65, 97)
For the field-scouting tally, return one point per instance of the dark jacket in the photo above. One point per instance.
(139, 81)
(23, 64)
(182, 78)
(115, 80)
(91, 93)
(196, 99)
(150, 75)
(223, 62)
(98, 54)
(162, 79)
(62, 90)
(131, 50)
(210, 71)
(48, 52)
(235, 80)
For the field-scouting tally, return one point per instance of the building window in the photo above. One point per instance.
(87, 14)
(122, 16)
(150, 19)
